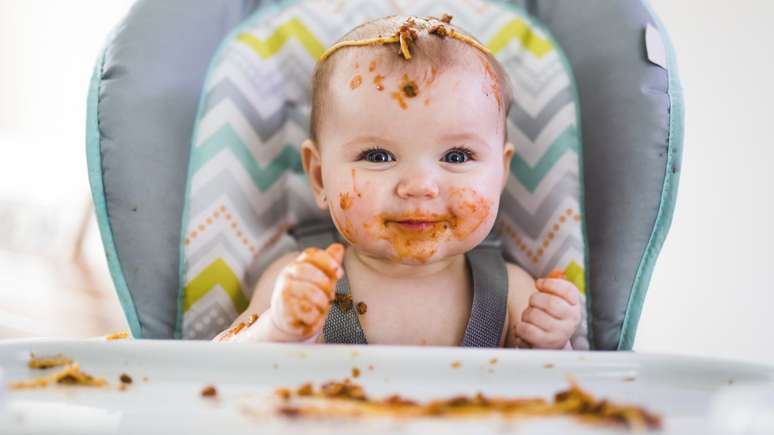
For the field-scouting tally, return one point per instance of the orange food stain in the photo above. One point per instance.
(354, 185)
(345, 200)
(356, 82)
(378, 82)
(397, 96)
(409, 87)
(357, 65)
(372, 66)
(466, 212)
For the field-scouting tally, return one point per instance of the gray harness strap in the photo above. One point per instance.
(490, 292)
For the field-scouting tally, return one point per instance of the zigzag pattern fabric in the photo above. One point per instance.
(247, 187)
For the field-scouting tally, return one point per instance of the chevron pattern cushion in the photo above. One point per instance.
(246, 185)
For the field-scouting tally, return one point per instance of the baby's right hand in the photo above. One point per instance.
(304, 290)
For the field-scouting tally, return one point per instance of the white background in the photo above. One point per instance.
(711, 293)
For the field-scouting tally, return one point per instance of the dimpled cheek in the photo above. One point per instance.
(469, 210)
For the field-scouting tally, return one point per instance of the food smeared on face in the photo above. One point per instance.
(345, 201)
(356, 82)
(416, 235)
(378, 82)
(397, 96)
(409, 87)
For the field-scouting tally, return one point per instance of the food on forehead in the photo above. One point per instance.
(347, 399)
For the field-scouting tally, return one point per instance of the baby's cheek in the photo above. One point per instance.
(469, 209)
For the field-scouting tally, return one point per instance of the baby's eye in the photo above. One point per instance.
(457, 155)
(376, 155)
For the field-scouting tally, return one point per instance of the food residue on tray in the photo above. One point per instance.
(125, 379)
(71, 374)
(355, 372)
(46, 362)
(456, 364)
(209, 391)
(117, 336)
(573, 402)
(548, 366)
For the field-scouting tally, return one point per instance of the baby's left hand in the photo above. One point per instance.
(553, 314)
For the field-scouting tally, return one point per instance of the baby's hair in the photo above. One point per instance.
(399, 40)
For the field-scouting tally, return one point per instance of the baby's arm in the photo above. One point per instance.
(291, 299)
(542, 314)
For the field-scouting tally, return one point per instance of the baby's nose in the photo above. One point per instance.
(417, 186)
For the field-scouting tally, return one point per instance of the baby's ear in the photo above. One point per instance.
(310, 158)
(508, 151)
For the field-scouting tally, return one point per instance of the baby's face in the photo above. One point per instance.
(412, 161)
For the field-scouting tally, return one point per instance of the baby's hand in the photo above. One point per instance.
(553, 314)
(304, 291)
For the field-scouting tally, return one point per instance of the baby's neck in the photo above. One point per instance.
(392, 270)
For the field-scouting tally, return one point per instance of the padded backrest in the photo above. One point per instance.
(246, 181)
(148, 80)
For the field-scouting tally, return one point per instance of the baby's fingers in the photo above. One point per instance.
(559, 287)
(328, 261)
(551, 304)
(303, 290)
(305, 272)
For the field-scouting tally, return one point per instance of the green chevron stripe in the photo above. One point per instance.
(264, 178)
(217, 273)
(531, 177)
(294, 28)
(521, 31)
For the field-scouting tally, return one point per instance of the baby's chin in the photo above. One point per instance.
(415, 254)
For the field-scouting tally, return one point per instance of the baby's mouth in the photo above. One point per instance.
(418, 223)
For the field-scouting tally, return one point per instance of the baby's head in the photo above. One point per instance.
(408, 141)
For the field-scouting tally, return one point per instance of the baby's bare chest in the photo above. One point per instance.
(413, 314)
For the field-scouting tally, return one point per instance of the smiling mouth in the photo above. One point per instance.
(419, 225)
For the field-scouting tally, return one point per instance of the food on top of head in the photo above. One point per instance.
(71, 374)
(407, 35)
(572, 402)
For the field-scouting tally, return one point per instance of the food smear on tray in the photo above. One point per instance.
(348, 399)
(71, 374)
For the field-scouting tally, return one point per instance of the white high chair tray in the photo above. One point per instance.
(691, 394)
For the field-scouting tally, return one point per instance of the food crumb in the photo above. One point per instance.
(289, 411)
(378, 82)
(356, 82)
(362, 308)
(126, 379)
(456, 364)
(145, 379)
(493, 361)
(275, 366)
(283, 393)
(117, 336)
(305, 390)
(371, 367)
(36, 362)
(355, 372)
(629, 379)
(548, 366)
(344, 302)
(122, 387)
(209, 391)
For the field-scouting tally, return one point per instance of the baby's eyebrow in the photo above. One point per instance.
(359, 140)
(467, 137)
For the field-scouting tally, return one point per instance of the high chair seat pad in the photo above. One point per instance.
(143, 107)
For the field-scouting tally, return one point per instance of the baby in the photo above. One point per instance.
(408, 153)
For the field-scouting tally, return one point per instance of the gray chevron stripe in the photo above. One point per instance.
(265, 128)
(533, 223)
(224, 184)
(532, 127)
(553, 262)
(226, 243)
(534, 82)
